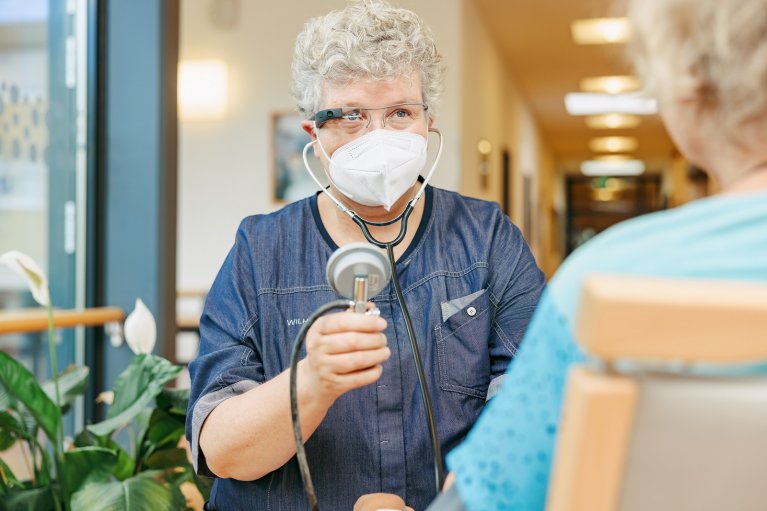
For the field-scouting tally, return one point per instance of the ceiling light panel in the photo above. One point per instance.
(612, 168)
(613, 157)
(613, 144)
(587, 103)
(613, 121)
(614, 84)
(600, 31)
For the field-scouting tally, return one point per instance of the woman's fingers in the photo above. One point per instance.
(348, 342)
(349, 322)
(346, 363)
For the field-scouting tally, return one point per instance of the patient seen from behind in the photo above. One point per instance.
(706, 62)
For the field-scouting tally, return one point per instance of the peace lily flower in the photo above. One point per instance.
(27, 267)
(140, 329)
(106, 397)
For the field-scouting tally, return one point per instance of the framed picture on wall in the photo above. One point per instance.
(290, 179)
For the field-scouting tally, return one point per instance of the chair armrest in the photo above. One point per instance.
(689, 320)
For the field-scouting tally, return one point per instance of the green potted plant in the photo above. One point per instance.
(93, 471)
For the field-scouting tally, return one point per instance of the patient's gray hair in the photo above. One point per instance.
(366, 39)
(716, 49)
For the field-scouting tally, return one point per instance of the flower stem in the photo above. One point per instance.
(55, 370)
(59, 445)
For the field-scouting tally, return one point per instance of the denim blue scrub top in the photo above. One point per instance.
(471, 285)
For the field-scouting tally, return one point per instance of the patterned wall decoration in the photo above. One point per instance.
(23, 144)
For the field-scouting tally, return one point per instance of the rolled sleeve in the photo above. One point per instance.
(200, 412)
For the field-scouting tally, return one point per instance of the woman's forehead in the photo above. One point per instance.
(373, 92)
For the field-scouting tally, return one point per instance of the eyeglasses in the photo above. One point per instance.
(352, 120)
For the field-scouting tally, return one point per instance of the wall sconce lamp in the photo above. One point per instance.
(203, 89)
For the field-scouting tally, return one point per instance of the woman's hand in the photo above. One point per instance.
(344, 352)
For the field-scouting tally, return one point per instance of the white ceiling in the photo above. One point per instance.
(535, 38)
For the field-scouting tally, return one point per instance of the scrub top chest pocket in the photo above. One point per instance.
(462, 344)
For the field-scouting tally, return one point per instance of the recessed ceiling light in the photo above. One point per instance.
(613, 121)
(600, 31)
(613, 157)
(587, 103)
(612, 168)
(613, 144)
(610, 84)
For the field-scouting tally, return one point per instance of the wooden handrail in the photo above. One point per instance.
(191, 293)
(36, 320)
(188, 322)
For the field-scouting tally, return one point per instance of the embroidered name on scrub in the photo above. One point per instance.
(296, 321)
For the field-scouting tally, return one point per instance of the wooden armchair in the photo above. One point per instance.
(667, 419)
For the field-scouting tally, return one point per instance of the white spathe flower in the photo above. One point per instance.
(27, 267)
(106, 397)
(140, 329)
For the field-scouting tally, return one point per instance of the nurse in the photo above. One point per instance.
(367, 78)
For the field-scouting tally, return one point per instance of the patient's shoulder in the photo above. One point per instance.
(698, 239)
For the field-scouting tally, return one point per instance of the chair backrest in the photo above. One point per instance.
(656, 435)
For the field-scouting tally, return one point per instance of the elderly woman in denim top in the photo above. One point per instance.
(706, 61)
(367, 78)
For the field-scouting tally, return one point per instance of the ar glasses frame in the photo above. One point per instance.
(329, 114)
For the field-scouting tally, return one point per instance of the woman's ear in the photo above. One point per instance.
(308, 127)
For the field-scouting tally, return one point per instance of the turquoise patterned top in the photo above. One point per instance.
(505, 461)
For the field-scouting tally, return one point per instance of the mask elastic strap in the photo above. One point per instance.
(337, 202)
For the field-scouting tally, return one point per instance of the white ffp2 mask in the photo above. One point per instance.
(379, 167)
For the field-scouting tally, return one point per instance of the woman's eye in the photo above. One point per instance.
(353, 116)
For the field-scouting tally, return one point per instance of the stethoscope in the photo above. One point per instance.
(389, 247)
(362, 222)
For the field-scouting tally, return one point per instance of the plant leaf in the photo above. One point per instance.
(145, 373)
(21, 384)
(86, 465)
(174, 401)
(6, 439)
(7, 477)
(139, 492)
(11, 427)
(35, 499)
(6, 399)
(139, 384)
(164, 429)
(72, 383)
(124, 466)
(168, 458)
(204, 484)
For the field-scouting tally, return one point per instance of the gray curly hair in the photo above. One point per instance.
(366, 39)
(716, 49)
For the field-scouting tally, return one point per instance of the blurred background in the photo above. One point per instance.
(134, 137)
